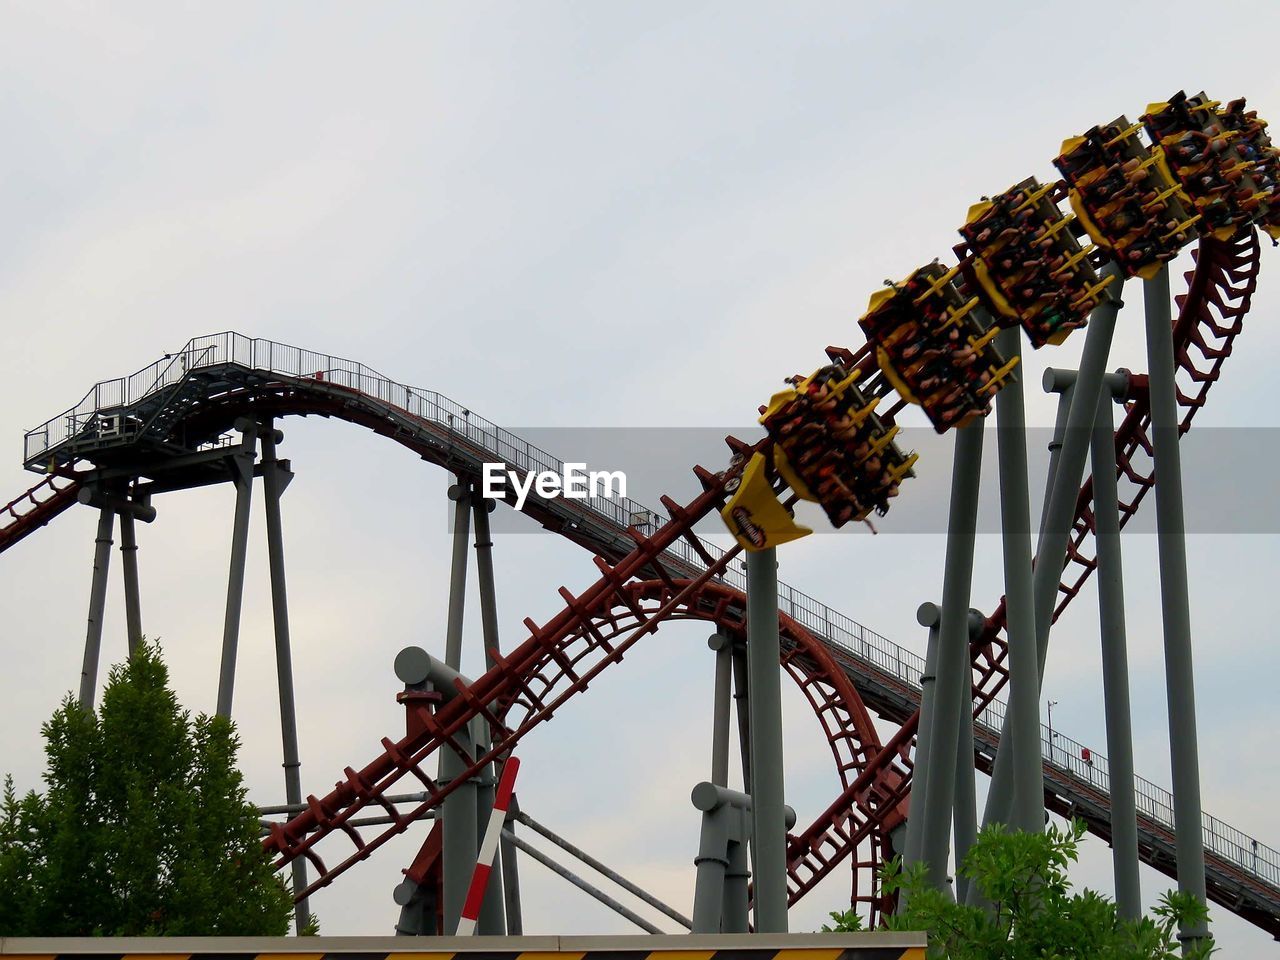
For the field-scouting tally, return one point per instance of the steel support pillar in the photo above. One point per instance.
(97, 607)
(769, 832)
(132, 591)
(499, 892)
(276, 477)
(723, 647)
(1065, 391)
(720, 888)
(1052, 548)
(953, 652)
(928, 615)
(735, 915)
(742, 710)
(1020, 613)
(965, 809)
(459, 843)
(460, 494)
(241, 465)
(1174, 605)
(1115, 665)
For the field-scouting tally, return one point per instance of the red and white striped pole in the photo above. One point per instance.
(488, 849)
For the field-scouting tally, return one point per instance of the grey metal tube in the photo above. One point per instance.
(1052, 548)
(460, 493)
(599, 867)
(735, 915)
(132, 591)
(97, 607)
(492, 918)
(1020, 612)
(723, 647)
(768, 799)
(275, 478)
(1174, 606)
(953, 652)
(711, 864)
(742, 709)
(582, 885)
(459, 845)
(965, 811)
(242, 475)
(927, 615)
(1064, 393)
(1115, 666)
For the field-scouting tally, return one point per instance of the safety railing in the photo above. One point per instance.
(459, 422)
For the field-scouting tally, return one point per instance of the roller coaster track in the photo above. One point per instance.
(188, 400)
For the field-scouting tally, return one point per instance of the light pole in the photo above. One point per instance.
(1052, 704)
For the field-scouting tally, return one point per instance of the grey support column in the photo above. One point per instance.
(965, 812)
(1115, 665)
(459, 844)
(97, 607)
(1015, 530)
(769, 832)
(953, 652)
(1065, 390)
(501, 892)
(132, 592)
(241, 465)
(927, 615)
(492, 919)
(1176, 612)
(723, 647)
(742, 710)
(1052, 549)
(276, 477)
(460, 494)
(735, 916)
(711, 866)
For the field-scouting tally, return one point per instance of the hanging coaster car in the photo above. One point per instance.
(1126, 198)
(1025, 258)
(832, 448)
(935, 346)
(1206, 159)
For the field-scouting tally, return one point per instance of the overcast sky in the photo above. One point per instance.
(565, 215)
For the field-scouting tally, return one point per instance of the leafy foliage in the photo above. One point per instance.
(144, 828)
(1032, 911)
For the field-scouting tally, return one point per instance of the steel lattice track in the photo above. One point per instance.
(591, 632)
(31, 511)
(1210, 316)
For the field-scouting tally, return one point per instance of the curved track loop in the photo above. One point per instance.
(638, 591)
(559, 660)
(1210, 316)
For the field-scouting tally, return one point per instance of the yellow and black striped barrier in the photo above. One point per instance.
(875, 945)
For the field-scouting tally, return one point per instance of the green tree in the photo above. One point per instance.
(144, 828)
(1033, 912)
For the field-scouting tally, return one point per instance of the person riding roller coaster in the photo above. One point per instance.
(837, 448)
(932, 346)
(1223, 158)
(1125, 200)
(1027, 262)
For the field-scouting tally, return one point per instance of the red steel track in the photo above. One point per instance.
(1210, 316)
(636, 592)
